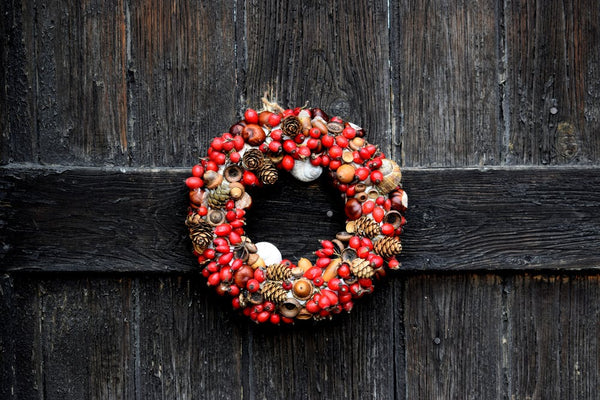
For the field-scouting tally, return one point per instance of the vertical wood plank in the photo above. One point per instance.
(20, 356)
(553, 81)
(85, 334)
(189, 346)
(350, 357)
(182, 79)
(18, 108)
(444, 56)
(81, 89)
(555, 336)
(454, 337)
(333, 54)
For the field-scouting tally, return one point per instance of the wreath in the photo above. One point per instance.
(305, 142)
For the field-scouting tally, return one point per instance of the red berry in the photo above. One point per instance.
(214, 279)
(226, 274)
(334, 284)
(193, 182)
(366, 242)
(335, 152)
(387, 229)
(378, 214)
(289, 146)
(362, 251)
(211, 166)
(316, 161)
(368, 206)
(252, 285)
(376, 177)
(222, 230)
(235, 157)
(349, 132)
(354, 242)
(287, 162)
(238, 142)
(327, 244)
(249, 178)
(234, 238)
(197, 170)
(217, 144)
(263, 317)
(275, 319)
(362, 173)
(335, 164)
(276, 134)
(312, 307)
(364, 153)
(313, 143)
(275, 146)
(274, 119)
(318, 281)
(303, 151)
(327, 140)
(341, 141)
(225, 259)
(251, 116)
(344, 271)
(314, 133)
(325, 160)
(202, 210)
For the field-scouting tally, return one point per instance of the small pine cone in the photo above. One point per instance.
(387, 247)
(274, 291)
(201, 232)
(291, 126)
(268, 173)
(361, 268)
(279, 272)
(218, 197)
(253, 159)
(366, 226)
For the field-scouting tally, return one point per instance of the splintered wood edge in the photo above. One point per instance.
(131, 219)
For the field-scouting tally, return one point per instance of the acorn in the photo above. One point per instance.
(212, 179)
(236, 190)
(233, 173)
(302, 289)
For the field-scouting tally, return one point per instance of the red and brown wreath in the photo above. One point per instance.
(305, 142)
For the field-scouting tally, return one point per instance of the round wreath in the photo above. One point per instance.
(303, 141)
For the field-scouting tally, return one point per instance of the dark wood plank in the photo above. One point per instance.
(333, 54)
(190, 343)
(81, 87)
(462, 219)
(21, 357)
(350, 357)
(70, 338)
(454, 334)
(447, 102)
(182, 79)
(18, 107)
(552, 77)
(554, 335)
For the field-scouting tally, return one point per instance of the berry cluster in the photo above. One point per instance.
(305, 142)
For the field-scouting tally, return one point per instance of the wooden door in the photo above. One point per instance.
(491, 107)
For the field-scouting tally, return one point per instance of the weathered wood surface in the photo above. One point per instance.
(419, 336)
(462, 219)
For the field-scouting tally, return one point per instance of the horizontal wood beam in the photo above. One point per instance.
(131, 220)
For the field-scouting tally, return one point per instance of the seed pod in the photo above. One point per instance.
(268, 173)
(279, 272)
(218, 197)
(366, 226)
(291, 126)
(273, 291)
(362, 268)
(253, 159)
(387, 247)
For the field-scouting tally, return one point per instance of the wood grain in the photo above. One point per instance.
(72, 339)
(462, 219)
(552, 81)
(182, 79)
(554, 335)
(446, 98)
(190, 345)
(333, 54)
(454, 337)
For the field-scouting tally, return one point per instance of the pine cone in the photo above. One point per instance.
(279, 272)
(268, 173)
(201, 232)
(218, 197)
(387, 247)
(366, 226)
(253, 159)
(361, 268)
(291, 126)
(273, 291)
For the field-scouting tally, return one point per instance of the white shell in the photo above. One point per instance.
(387, 166)
(268, 252)
(306, 172)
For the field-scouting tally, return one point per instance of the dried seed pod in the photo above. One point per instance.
(302, 289)
(212, 179)
(361, 268)
(391, 179)
(233, 173)
(291, 126)
(290, 308)
(366, 226)
(279, 272)
(387, 247)
(215, 217)
(236, 190)
(244, 202)
(253, 159)
(305, 264)
(349, 254)
(394, 218)
(268, 173)
(273, 291)
(304, 314)
(331, 270)
(335, 127)
(361, 196)
(343, 236)
(218, 197)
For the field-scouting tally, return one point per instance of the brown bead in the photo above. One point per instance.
(254, 135)
(353, 209)
(345, 173)
(302, 289)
